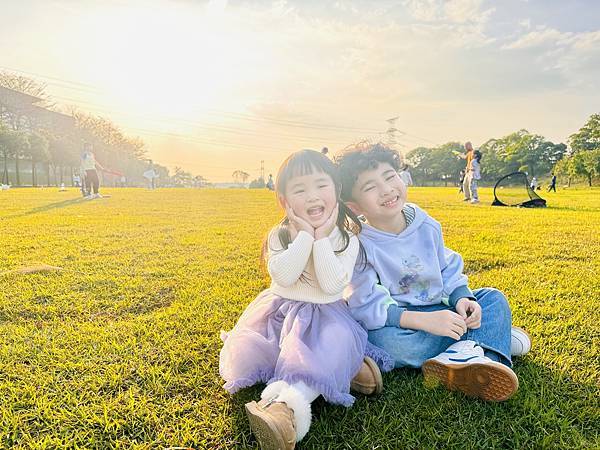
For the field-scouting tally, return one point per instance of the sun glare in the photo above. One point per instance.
(175, 61)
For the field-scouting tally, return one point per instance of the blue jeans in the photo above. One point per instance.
(411, 348)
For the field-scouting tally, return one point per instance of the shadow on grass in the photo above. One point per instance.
(50, 207)
(550, 409)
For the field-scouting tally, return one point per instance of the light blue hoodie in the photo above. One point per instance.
(411, 268)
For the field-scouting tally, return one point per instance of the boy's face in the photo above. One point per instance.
(379, 194)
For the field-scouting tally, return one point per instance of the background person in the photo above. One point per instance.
(89, 167)
(405, 176)
(475, 175)
(468, 171)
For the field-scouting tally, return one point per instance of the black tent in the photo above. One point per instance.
(514, 190)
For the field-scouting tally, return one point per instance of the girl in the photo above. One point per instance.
(298, 335)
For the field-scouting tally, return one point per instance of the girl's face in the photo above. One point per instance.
(312, 197)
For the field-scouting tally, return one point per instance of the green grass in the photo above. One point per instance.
(120, 349)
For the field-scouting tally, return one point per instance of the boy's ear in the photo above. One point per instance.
(354, 207)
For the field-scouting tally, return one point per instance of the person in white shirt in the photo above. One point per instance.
(405, 176)
(298, 335)
(534, 183)
(475, 175)
(89, 167)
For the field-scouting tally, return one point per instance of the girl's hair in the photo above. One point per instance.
(477, 155)
(306, 162)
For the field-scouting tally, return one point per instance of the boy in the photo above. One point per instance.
(411, 294)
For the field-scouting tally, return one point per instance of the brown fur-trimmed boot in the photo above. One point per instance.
(279, 421)
(368, 380)
(272, 424)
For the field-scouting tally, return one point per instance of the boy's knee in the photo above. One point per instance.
(493, 298)
(406, 347)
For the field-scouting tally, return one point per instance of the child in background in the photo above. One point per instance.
(412, 294)
(298, 336)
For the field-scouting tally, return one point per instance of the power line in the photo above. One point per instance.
(53, 78)
(83, 87)
(203, 125)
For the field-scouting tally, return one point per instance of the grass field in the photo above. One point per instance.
(120, 349)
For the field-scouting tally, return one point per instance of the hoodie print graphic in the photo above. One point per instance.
(411, 281)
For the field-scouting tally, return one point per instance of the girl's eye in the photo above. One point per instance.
(391, 177)
(370, 188)
(299, 192)
(323, 186)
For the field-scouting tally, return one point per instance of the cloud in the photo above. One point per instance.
(574, 56)
(541, 37)
(462, 11)
(456, 23)
(525, 23)
(452, 11)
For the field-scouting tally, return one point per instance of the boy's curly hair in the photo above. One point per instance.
(356, 159)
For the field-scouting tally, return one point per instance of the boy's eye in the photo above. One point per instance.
(299, 192)
(370, 188)
(323, 186)
(391, 177)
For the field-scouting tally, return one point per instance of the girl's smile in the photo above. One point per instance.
(312, 197)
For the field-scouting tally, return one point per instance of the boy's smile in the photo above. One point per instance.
(379, 194)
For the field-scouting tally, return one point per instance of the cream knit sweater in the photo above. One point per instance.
(309, 270)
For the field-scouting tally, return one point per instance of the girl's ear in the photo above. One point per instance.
(354, 207)
(282, 202)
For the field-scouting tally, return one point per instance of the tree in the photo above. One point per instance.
(588, 136)
(5, 142)
(181, 178)
(38, 151)
(435, 164)
(12, 143)
(239, 176)
(259, 183)
(27, 86)
(522, 151)
(583, 164)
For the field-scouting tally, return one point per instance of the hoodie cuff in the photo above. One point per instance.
(393, 316)
(458, 293)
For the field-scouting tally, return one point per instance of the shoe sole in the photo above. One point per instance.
(265, 431)
(528, 337)
(491, 381)
(370, 390)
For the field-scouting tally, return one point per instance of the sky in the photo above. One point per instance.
(218, 86)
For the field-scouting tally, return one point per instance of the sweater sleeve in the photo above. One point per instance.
(286, 265)
(370, 303)
(334, 271)
(454, 280)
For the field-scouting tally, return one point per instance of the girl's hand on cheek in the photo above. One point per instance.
(326, 229)
(298, 223)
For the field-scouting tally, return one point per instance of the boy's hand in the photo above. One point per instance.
(470, 311)
(444, 323)
(325, 230)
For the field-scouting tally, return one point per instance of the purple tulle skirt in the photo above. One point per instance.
(279, 339)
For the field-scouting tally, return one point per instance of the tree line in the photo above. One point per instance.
(32, 146)
(518, 151)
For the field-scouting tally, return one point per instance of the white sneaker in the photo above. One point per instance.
(520, 341)
(464, 367)
(475, 200)
(88, 196)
